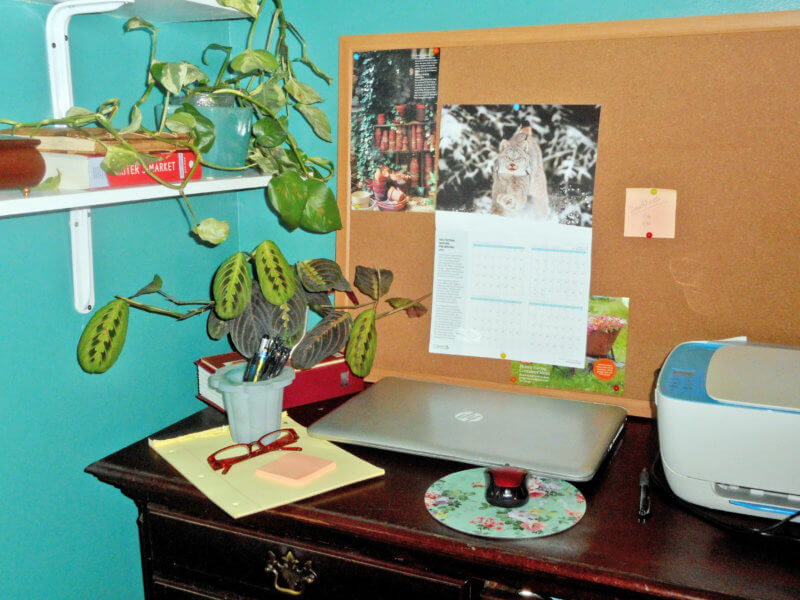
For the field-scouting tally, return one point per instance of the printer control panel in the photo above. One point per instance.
(683, 375)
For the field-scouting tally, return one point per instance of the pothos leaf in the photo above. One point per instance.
(269, 132)
(103, 338)
(174, 76)
(275, 277)
(286, 195)
(135, 122)
(271, 95)
(232, 287)
(373, 282)
(413, 309)
(187, 119)
(325, 338)
(51, 183)
(212, 230)
(117, 159)
(360, 351)
(317, 119)
(255, 60)
(321, 213)
(151, 287)
(301, 92)
(322, 275)
(138, 23)
(249, 7)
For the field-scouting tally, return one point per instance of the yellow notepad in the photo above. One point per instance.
(240, 492)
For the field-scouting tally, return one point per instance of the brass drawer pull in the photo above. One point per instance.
(289, 572)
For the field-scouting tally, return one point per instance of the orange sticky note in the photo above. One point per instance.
(295, 468)
(650, 212)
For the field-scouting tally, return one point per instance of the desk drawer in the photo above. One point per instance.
(253, 563)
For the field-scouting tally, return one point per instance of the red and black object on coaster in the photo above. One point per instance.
(506, 486)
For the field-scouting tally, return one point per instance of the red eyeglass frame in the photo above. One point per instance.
(256, 448)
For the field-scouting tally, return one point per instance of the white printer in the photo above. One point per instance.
(728, 418)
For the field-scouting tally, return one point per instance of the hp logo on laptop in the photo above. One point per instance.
(469, 416)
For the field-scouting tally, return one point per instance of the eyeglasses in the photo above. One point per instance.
(228, 456)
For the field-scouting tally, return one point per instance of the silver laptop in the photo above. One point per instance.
(552, 437)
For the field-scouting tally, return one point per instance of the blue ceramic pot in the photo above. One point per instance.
(232, 126)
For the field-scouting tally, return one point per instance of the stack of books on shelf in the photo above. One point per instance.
(77, 158)
(331, 378)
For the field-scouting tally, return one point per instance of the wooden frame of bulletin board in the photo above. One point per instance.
(706, 106)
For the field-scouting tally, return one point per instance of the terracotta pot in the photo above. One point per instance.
(420, 112)
(21, 165)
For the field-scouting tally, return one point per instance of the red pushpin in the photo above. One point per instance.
(649, 234)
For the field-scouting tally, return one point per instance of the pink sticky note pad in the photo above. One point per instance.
(295, 468)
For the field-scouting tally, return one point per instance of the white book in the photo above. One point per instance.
(78, 171)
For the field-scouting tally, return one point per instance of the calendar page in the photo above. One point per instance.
(510, 290)
(513, 232)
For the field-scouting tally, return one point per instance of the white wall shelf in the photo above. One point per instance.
(172, 11)
(79, 203)
(14, 203)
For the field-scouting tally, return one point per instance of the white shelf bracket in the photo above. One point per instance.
(57, 38)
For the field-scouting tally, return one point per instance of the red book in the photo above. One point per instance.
(330, 378)
(83, 172)
(174, 167)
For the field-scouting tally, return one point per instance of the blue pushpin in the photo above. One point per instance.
(355, 56)
(516, 107)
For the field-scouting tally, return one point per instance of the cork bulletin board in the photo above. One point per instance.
(707, 106)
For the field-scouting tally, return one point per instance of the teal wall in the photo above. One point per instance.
(65, 535)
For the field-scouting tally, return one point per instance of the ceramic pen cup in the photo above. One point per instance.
(253, 407)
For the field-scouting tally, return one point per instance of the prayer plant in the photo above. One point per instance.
(259, 293)
(263, 79)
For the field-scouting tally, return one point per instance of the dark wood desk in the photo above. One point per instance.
(376, 539)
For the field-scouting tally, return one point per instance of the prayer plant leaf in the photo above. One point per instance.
(260, 317)
(373, 282)
(153, 286)
(321, 275)
(325, 338)
(103, 338)
(413, 309)
(216, 327)
(232, 287)
(361, 347)
(276, 278)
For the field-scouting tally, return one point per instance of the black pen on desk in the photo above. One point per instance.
(644, 495)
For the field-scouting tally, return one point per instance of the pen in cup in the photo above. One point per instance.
(257, 360)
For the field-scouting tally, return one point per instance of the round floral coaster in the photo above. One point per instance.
(458, 500)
